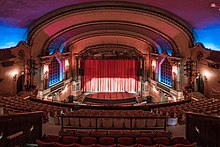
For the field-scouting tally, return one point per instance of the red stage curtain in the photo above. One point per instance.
(110, 75)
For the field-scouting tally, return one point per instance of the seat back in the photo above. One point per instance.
(125, 141)
(144, 140)
(70, 139)
(107, 141)
(45, 144)
(88, 140)
(162, 140)
(53, 138)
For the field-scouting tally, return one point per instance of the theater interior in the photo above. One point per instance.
(78, 73)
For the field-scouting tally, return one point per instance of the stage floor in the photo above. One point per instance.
(111, 95)
(110, 98)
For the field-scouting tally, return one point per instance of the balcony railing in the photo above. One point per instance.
(113, 122)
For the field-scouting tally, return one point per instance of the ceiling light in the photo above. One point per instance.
(213, 5)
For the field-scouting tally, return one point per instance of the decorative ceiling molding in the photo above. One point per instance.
(132, 7)
(153, 45)
(160, 26)
(110, 51)
(164, 42)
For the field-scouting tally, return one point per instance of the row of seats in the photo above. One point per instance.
(204, 106)
(17, 104)
(115, 133)
(55, 144)
(110, 141)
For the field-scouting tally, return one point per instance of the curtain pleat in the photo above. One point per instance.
(110, 76)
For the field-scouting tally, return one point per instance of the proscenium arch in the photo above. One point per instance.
(164, 41)
(172, 22)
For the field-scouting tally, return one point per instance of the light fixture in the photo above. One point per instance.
(206, 75)
(14, 75)
(66, 64)
(174, 69)
(46, 69)
(153, 64)
(214, 5)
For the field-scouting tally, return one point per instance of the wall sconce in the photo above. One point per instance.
(46, 69)
(66, 64)
(153, 64)
(14, 77)
(205, 78)
(206, 75)
(174, 69)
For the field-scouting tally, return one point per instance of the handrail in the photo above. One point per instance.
(106, 106)
(15, 135)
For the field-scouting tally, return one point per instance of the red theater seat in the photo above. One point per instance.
(144, 141)
(64, 145)
(178, 140)
(70, 139)
(53, 138)
(133, 145)
(88, 140)
(162, 140)
(100, 145)
(160, 145)
(186, 145)
(83, 145)
(125, 141)
(45, 144)
(141, 145)
(107, 140)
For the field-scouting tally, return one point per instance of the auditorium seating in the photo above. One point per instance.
(17, 104)
(18, 129)
(122, 140)
(53, 138)
(107, 141)
(45, 144)
(70, 139)
(52, 113)
(204, 106)
(144, 140)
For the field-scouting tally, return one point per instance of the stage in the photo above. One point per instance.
(111, 98)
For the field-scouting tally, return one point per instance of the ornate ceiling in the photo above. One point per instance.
(60, 29)
(166, 26)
